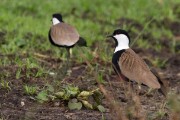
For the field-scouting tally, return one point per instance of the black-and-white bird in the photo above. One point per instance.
(64, 35)
(130, 66)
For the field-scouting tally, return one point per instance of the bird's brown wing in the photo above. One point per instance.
(134, 68)
(64, 35)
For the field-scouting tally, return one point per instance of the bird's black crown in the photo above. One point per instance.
(58, 16)
(120, 31)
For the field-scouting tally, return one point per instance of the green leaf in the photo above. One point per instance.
(85, 94)
(101, 108)
(52, 97)
(42, 96)
(59, 94)
(50, 88)
(20, 42)
(87, 104)
(74, 104)
(72, 90)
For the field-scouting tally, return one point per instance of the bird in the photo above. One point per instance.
(130, 66)
(64, 35)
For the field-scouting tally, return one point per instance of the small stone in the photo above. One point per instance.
(57, 103)
(51, 73)
(22, 103)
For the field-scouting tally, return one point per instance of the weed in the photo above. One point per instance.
(143, 43)
(42, 96)
(39, 72)
(18, 73)
(160, 113)
(76, 98)
(5, 85)
(5, 61)
(173, 46)
(161, 63)
(174, 103)
(30, 90)
(100, 78)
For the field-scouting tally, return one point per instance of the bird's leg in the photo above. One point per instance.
(70, 52)
(67, 59)
(64, 67)
(67, 71)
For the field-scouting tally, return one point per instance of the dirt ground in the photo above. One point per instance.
(10, 101)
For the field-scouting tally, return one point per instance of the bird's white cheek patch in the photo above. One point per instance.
(55, 21)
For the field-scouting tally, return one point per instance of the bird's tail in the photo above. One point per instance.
(164, 87)
(81, 42)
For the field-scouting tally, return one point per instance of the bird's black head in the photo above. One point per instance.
(118, 32)
(58, 16)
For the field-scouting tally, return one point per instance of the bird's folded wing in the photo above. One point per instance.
(64, 34)
(134, 68)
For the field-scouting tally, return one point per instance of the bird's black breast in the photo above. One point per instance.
(115, 60)
(50, 39)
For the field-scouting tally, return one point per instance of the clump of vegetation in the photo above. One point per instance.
(161, 63)
(75, 97)
(174, 103)
(5, 84)
(30, 90)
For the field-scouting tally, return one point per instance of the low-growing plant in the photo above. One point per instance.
(5, 61)
(161, 63)
(100, 78)
(174, 103)
(160, 113)
(42, 96)
(173, 46)
(5, 84)
(30, 90)
(18, 73)
(143, 43)
(39, 72)
(76, 98)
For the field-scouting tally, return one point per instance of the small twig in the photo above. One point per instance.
(41, 60)
(40, 55)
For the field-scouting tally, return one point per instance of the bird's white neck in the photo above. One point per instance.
(122, 42)
(118, 48)
(55, 21)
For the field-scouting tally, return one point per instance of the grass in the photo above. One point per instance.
(24, 43)
(5, 85)
(159, 62)
(30, 90)
(27, 20)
